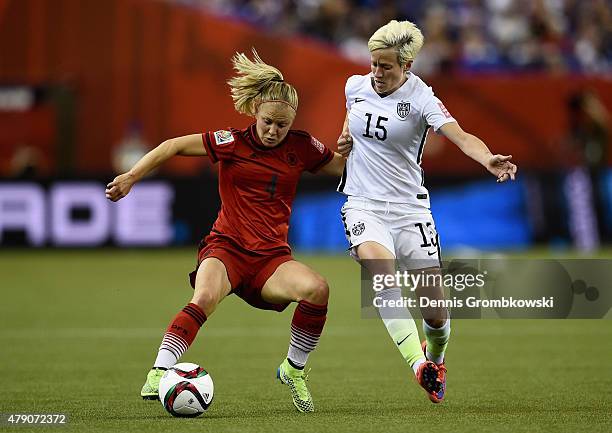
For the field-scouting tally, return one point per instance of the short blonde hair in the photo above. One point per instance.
(404, 36)
(257, 82)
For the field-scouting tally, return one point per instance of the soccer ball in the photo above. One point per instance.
(186, 390)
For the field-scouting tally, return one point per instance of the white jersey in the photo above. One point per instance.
(388, 138)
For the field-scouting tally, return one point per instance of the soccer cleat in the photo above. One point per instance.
(427, 376)
(150, 390)
(296, 381)
(439, 395)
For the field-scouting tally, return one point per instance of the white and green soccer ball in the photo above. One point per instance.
(186, 390)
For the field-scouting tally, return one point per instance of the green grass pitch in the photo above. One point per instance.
(80, 329)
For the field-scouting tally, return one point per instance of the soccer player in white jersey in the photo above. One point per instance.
(387, 214)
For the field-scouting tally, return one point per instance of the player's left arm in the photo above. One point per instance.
(498, 165)
(335, 166)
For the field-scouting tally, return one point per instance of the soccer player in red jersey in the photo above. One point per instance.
(246, 252)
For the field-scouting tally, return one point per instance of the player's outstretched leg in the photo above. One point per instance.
(211, 286)
(178, 337)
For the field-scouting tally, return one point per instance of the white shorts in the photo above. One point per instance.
(409, 234)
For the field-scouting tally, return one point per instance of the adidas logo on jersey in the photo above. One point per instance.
(316, 143)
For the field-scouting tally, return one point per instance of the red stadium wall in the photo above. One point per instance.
(165, 67)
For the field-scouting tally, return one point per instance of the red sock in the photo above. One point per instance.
(180, 334)
(306, 328)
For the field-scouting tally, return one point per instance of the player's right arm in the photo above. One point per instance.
(187, 145)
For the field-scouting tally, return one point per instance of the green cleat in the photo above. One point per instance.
(150, 389)
(296, 381)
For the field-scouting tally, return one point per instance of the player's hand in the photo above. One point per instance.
(345, 144)
(120, 187)
(501, 167)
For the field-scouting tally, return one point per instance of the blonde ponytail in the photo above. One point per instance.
(257, 82)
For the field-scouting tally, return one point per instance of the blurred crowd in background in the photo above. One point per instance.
(461, 35)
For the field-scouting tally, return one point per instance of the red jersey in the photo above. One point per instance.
(257, 185)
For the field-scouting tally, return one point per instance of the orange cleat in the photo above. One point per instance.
(438, 394)
(427, 376)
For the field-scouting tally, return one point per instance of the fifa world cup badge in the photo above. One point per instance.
(223, 137)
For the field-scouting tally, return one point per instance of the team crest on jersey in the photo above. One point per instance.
(403, 108)
(358, 228)
(316, 143)
(223, 137)
(292, 159)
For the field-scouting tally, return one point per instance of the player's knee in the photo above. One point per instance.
(317, 290)
(206, 300)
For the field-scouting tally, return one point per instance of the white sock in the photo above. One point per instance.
(170, 350)
(165, 359)
(297, 356)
